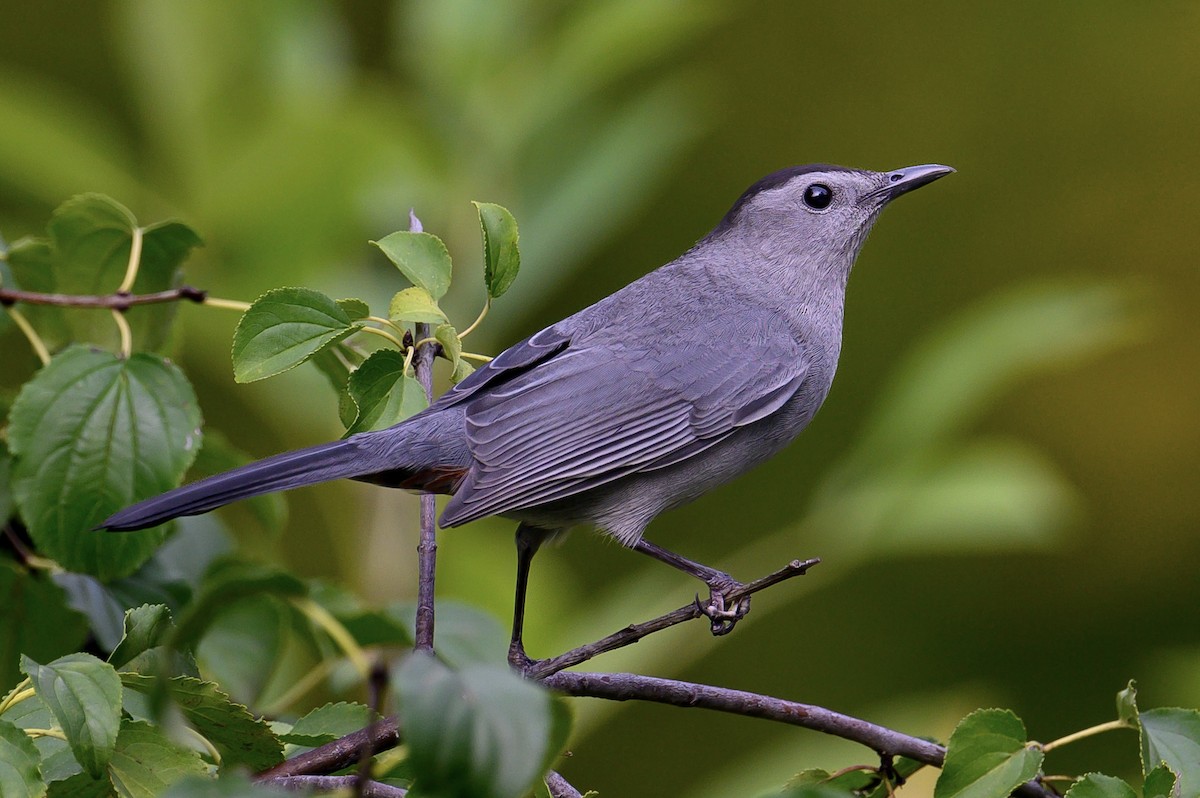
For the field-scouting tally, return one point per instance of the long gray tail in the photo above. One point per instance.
(345, 458)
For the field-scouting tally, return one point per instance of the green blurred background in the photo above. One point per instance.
(1003, 483)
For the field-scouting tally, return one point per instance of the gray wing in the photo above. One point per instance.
(553, 416)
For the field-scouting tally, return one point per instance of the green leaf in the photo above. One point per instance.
(356, 309)
(241, 738)
(987, 756)
(422, 258)
(227, 582)
(19, 760)
(383, 393)
(462, 370)
(369, 627)
(34, 620)
(90, 434)
(146, 762)
(242, 647)
(1127, 709)
(283, 328)
(1097, 785)
(415, 304)
(6, 499)
(91, 236)
(31, 261)
(165, 246)
(482, 732)
(84, 695)
(447, 336)
(146, 627)
(80, 785)
(1172, 737)
(1160, 783)
(852, 782)
(501, 256)
(325, 724)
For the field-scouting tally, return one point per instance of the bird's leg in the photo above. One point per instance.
(720, 585)
(529, 540)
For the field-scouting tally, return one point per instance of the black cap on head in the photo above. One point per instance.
(773, 180)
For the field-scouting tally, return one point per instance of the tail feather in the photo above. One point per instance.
(345, 458)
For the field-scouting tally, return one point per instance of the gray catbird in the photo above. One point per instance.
(675, 384)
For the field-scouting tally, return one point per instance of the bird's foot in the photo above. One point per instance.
(723, 611)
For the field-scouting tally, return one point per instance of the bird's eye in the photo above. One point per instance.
(818, 196)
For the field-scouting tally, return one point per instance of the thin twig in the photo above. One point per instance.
(341, 753)
(117, 301)
(634, 632)
(370, 789)
(427, 547)
(560, 787)
(376, 688)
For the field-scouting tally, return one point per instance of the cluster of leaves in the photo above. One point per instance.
(990, 755)
(196, 637)
(289, 326)
(141, 723)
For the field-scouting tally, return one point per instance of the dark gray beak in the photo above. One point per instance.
(902, 181)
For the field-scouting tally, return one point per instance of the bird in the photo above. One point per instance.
(644, 401)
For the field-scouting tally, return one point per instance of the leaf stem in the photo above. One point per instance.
(126, 333)
(1112, 725)
(227, 304)
(338, 633)
(387, 323)
(475, 356)
(487, 305)
(35, 341)
(17, 695)
(302, 685)
(383, 334)
(135, 261)
(56, 733)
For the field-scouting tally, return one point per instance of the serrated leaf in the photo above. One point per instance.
(1127, 709)
(145, 762)
(325, 724)
(146, 627)
(356, 309)
(84, 695)
(227, 582)
(283, 328)
(90, 434)
(19, 760)
(447, 336)
(482, 731)
(241, 738)
(35, 620)
(1097, 785)
(422, 258)
(415, 304)
(987, 755)
(383, 393)
(1172, 737)
(462, 370)
(1160, 783)
(91, 236)
(501, 255)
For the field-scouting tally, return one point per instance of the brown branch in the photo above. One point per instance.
(560, 787)
(370, 789)
(631, 634)
(341, 753)
(427, 547)
(118, 301)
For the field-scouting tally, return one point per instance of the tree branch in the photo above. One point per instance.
(631, 634)
(119, 301)
(427, 547)
(341, 753)
(369, 789)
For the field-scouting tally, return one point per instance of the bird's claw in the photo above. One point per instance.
(722, 617)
